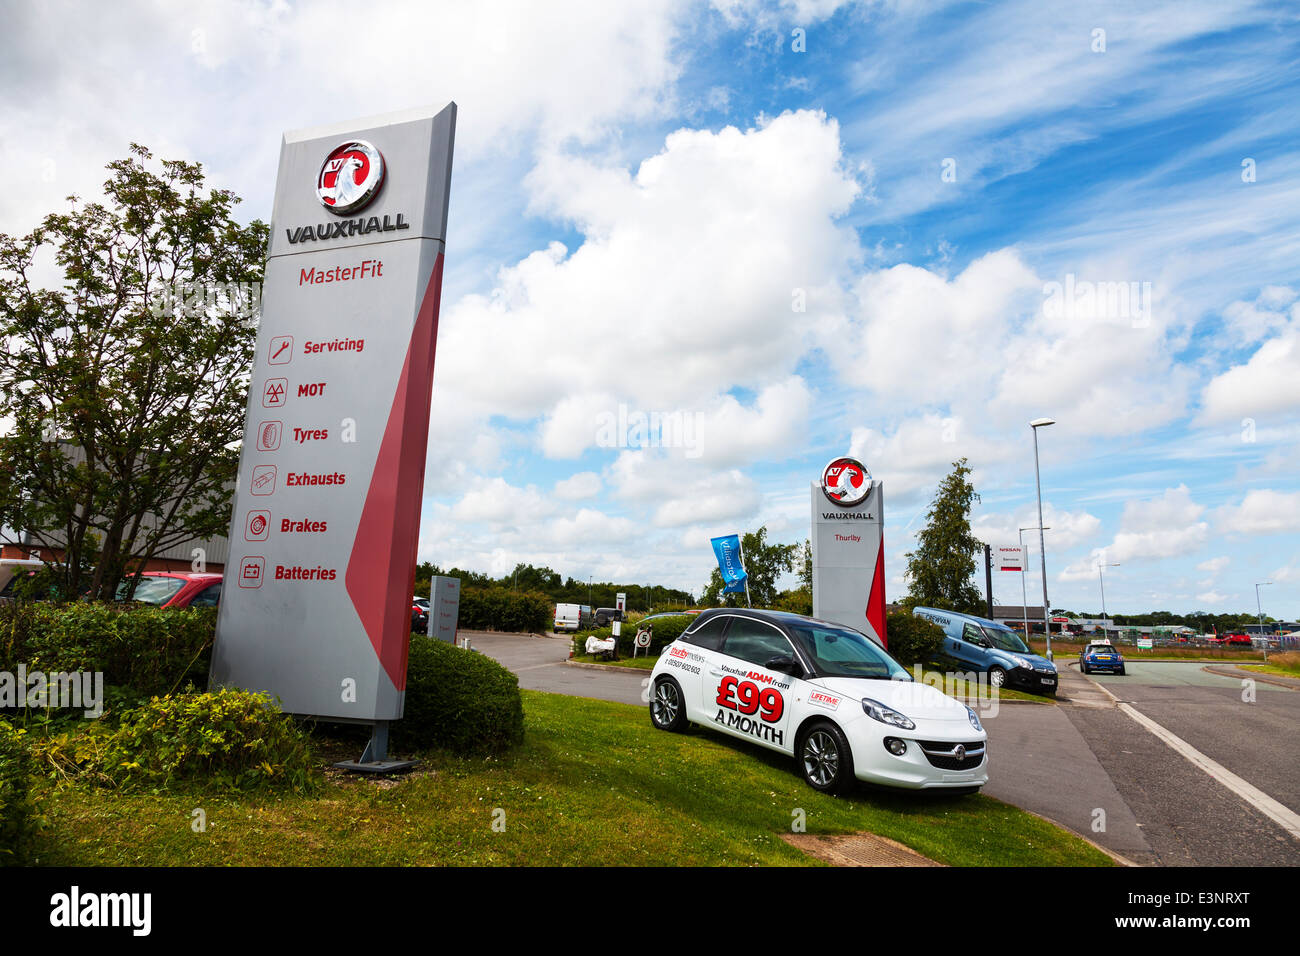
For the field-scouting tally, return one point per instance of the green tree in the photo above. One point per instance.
(126, 385)
(764, 563)
(939, 570)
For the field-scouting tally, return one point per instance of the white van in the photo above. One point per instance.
(572, 617)
(11, 568)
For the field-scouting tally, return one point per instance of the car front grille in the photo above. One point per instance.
(941, 754)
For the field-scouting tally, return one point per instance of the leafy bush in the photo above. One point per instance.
(797, 601)
(458, 700)
(912, 639)
(500, 609)
(144, 650)
(226, 740)
(17, 809)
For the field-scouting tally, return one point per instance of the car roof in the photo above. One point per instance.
(776, 617)
(183, 575)
(962, 615)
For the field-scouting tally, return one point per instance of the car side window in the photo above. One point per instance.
(971, 634)
(208, 597)
(708, 635)
(755, 642)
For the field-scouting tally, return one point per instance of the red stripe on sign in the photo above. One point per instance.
(383, 554)
(876, 602)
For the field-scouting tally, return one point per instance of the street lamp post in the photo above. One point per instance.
(1259, 610)
(1036, 424)
(1024, 596)
(1103, 592)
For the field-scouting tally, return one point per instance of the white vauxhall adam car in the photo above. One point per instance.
(826, 695)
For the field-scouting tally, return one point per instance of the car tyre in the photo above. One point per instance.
(997, 676)
(1121, 672)
(1084, 668)
(825, 760)
(668, 706)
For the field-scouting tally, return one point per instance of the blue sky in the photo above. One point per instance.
(643, 191)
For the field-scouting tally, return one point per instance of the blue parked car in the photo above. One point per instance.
(1101, 656)
(994, 649)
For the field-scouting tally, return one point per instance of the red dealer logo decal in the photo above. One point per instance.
(350, 177)
(846, 482)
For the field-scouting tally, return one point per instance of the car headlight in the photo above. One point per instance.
(974, 719)
(886, 715)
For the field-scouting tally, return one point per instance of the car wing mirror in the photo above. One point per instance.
(785, 664)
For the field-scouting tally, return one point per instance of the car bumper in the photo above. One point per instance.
(1033, 681)
(1105, 665)
(916, 769)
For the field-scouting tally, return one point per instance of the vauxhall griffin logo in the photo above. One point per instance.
(350, 177)
(846, 482)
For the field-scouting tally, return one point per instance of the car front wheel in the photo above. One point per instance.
(825, 759)
(667, 709)
(997, 676)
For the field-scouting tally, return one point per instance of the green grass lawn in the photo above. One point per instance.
(593, 784)
(641, 662)
(1285, 664)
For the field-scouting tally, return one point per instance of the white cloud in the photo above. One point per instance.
(1262, 511)
(1065, 529)
(920, 451)
(685, 278)
(1150, 529)
(1267, 384)
(584, 484)
(496, 501)
(1214, 565)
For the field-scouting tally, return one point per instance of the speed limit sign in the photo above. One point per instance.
(642, 638)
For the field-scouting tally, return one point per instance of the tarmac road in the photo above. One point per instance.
(1085, 763)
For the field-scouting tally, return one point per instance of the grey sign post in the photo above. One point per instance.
(331, 473)
(444, 608)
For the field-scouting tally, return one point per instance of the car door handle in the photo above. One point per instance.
(713, 673)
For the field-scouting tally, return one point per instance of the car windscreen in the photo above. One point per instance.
(152, 590)
(839, 652)
(1005, 639)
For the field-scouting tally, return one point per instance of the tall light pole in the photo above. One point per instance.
(1024, 560)
(1260, 611)
(1036, 424)
(1103, 592)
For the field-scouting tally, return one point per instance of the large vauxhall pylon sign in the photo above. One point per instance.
(316, 604)
(848, 554)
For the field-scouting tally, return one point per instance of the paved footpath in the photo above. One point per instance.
(1086, 763)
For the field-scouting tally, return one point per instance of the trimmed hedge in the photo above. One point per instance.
(500, 609)
(17, 809)
(912, 639)
(225, 740)
(458, 700)
(146, 651)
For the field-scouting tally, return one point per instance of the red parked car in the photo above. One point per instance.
(176, 589)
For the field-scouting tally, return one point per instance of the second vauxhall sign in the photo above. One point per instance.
(316, 604)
